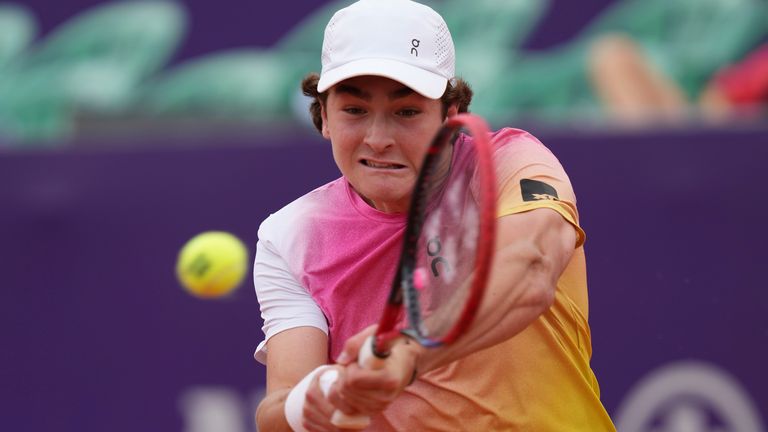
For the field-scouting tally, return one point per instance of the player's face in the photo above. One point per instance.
(379, 130)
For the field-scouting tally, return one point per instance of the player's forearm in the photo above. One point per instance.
(270, 414)
(521, 287)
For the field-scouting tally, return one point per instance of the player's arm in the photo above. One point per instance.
(532, 250)
(291, 355)
(295, 330)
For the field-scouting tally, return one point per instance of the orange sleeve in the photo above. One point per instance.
(529, 176)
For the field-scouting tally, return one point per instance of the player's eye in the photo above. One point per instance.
(408, 112)
(353, 110)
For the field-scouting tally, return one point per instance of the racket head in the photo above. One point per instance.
(448, 241)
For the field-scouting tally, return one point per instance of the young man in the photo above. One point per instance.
(325, 262)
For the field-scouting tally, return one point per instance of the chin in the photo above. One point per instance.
(388, 198)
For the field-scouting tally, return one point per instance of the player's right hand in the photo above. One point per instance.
(369, 391)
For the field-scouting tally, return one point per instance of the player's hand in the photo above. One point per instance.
(366, 391)
(317, 410)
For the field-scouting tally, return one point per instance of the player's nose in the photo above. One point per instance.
(379, 136)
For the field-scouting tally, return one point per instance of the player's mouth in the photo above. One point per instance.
(380, 164)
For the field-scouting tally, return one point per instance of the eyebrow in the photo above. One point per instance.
(359, 93)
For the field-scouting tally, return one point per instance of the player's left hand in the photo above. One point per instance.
(369, 391)
(317, 411)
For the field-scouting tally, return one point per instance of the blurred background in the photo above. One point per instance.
(127, 127)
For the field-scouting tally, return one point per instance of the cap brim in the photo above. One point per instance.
(426, 83)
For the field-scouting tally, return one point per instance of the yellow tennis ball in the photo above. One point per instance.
(212, 264)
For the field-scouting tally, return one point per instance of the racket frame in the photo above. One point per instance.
(403, 285)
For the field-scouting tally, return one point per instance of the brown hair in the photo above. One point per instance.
(457, 92)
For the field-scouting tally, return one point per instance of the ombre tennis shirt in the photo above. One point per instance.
(327, 261)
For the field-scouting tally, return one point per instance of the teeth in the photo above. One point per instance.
(380, 165)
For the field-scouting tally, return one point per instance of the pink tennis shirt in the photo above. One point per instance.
(327, 260)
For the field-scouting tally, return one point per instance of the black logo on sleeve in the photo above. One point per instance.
(534, 190)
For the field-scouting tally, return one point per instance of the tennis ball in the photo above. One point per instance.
(212, 264)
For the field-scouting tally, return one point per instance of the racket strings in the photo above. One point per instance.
(445, 257)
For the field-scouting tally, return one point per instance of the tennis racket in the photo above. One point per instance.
(447, 248)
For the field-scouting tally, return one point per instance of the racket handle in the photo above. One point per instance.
(366, 359)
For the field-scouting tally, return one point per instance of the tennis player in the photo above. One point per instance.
(325, 262)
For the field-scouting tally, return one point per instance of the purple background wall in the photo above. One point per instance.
(97, 335)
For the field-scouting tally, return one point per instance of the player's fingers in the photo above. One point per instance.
(356, 404)
(316, 425)
(333, 394)
(316, 398)
(398, 370)
(386, 380)
(373, 395)
(353, 344)
(337, 400)
(314, 420)
(367, 404)
(370, 398)
(317, 410)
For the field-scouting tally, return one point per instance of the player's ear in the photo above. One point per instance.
(326, 133)
(453, 109)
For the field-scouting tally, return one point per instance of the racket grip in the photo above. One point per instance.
(365, 359)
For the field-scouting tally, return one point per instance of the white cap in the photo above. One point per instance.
(398, 39)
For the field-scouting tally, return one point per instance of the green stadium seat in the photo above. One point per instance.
(139, 35)
(688, 39)
(241, 84)
(307, 34)
(91, 63)
(492, 23)
(102, 53)
(33, 110)
(17, 30)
